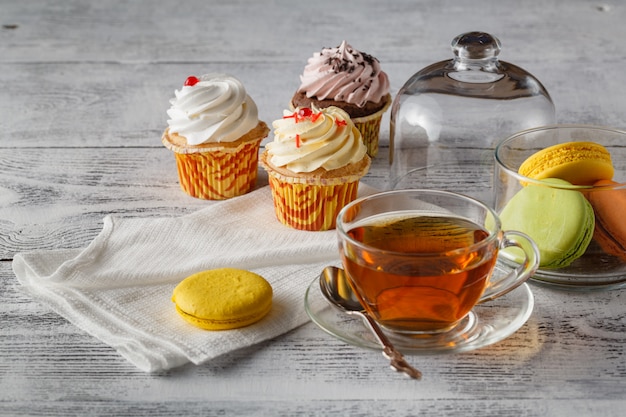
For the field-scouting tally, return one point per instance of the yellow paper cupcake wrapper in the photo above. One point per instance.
(369, 126)
(308, 206)
(219, 175)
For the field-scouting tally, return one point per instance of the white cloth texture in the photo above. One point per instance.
(119, 288)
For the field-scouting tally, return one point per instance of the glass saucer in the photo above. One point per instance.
(487, 324)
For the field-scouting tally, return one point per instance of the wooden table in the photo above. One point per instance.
(84, 89)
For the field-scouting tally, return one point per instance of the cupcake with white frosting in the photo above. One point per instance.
(314, 165)
(215, 134)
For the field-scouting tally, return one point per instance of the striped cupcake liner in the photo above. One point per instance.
(310, 207)
(369, 126)
(219, 174)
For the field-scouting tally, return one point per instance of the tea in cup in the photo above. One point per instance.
(420, 260)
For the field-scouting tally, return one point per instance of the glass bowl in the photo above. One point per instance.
(595, 268)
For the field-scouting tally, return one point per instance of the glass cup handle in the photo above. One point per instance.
(519, 275)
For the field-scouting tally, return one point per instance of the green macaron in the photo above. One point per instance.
(559, 220)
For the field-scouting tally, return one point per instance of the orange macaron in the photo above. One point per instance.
(609, 205)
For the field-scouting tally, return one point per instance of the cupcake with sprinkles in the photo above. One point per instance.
(215, 134)
(314, 166)
(351, 80)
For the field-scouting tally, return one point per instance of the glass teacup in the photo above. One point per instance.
(420, 260)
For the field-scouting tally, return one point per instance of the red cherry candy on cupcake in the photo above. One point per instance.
(305, 112)
(191, 81)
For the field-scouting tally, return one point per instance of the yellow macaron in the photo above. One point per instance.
(223, 299)
(580, 163)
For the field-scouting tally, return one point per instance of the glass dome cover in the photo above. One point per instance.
(473, 100)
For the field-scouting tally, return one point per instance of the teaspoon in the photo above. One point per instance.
(336, 289)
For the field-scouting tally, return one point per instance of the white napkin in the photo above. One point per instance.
(119, 288)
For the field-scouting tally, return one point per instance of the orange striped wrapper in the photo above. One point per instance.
(219, 175)
(310, 207)
(312, 203)
(217, 171)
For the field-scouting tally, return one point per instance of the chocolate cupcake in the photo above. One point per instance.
(351, 80)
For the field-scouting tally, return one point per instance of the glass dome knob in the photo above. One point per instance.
(476, 45)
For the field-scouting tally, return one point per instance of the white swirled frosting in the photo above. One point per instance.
(307, 139)
(212, 108)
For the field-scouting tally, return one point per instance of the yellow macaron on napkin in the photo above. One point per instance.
(119, 288)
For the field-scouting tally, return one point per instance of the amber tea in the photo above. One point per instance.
(419, 272)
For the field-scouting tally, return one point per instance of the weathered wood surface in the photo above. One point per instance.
(85, 86)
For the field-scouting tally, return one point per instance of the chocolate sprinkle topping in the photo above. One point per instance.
(339, 64)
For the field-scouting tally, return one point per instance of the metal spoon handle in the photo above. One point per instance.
(396, 358)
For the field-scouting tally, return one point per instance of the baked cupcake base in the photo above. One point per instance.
(217, 171)
(311, 201)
